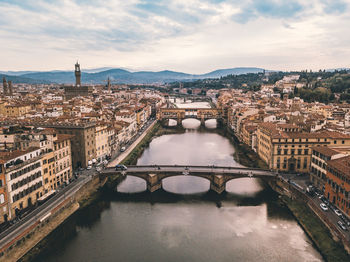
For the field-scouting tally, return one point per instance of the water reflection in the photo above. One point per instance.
(186, 184)
(185, 221)
(132, 185)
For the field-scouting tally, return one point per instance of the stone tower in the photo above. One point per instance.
(4, 84)
(108, 84)
(77, 74)
(10, 91)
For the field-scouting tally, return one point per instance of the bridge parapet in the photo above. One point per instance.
(218, 176)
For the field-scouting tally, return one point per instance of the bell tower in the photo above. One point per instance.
(77, 74)
(4, 84)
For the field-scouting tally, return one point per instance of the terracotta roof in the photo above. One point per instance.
(63, 137)
(8, 155)
(324, 150)
(342, 165)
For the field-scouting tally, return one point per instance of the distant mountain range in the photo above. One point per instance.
(117, 75)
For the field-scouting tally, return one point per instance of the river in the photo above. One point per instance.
(185, 221)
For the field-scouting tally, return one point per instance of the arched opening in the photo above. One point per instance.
(211, 123)
(172, 122)
(244, 186)
(191, 123)
(132, 184)
(186, 184)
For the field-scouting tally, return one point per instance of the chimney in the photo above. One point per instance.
(4, 84)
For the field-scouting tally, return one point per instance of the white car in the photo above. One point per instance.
(337, 212)
(89, 167)
(324, 207)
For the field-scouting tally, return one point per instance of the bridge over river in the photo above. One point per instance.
(217, 175)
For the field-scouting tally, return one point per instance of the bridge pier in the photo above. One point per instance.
(179, 122)
(218, 184)
(153, 183)
(202, 122)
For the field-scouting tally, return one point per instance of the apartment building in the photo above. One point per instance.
(283, 147)
(337, 188)
(319, 158)
(83, 141)
(101, 142)
(4, 212)
(63, 160)
(14, 110)
(23, 178)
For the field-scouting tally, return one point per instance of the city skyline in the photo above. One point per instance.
(186, 36)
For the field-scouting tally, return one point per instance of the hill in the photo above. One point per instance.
(124, 76)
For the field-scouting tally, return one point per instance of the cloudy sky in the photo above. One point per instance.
(193, 36)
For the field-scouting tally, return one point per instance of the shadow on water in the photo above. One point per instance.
(88, 217)
(63, 235)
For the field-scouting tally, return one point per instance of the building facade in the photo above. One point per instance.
(337, 188)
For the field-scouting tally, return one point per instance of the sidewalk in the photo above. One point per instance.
(123, 155)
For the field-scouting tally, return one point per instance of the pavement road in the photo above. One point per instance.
(41, 211)
(302, 180)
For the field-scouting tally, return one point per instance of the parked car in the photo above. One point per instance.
(342, 225)
(337, 212)
(122, 149)
(120, 167)
(89, 167)
(324, 207)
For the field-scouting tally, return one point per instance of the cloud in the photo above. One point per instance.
(178, 34)
(268, 8)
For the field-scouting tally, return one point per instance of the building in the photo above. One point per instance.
(82, 141)
(63, 161)
(4, 211)
(77, 90)
(283, 147)
(14, 110)
(23, 178)
(318, 170)
(101, 142)
(337, 188)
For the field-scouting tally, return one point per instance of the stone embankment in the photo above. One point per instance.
(24, 244)
(326, 237)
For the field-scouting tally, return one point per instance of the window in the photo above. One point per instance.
(306, 151)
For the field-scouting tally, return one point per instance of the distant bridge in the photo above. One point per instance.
(180, 114)
(187, 97)
(218, 176)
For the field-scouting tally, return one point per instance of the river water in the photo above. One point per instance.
(185, 221)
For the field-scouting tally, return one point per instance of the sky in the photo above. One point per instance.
(190, 36)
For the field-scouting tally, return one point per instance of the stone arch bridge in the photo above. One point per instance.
(218, 176)
(180, 114)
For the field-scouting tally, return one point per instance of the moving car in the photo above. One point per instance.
(120, 167)
(324, 207)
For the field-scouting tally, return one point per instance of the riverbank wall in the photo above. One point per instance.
(326, 237)
(24, 246)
